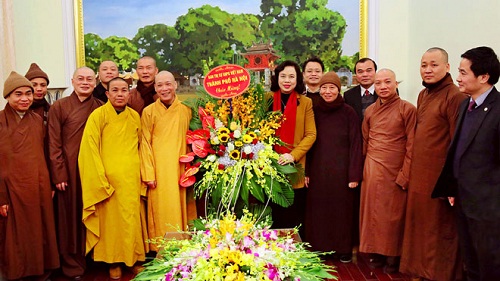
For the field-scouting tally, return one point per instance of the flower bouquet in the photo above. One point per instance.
(232, 148)
(231, 249)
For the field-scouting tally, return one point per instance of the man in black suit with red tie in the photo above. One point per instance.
(361, 96)
(471, 175)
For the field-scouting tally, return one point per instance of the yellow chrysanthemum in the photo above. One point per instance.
(247, 138)
(223, 137)
(238, 143)
(252, 134)
(235, 155)
(223, 130)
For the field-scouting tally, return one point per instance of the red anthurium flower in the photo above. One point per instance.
(201, 134)
(197, 164)
(211, 151)
(200, 148)
(186, 158)
(190, 137)
(208, 121)
(202, 113)
(186, 181)
(191, 171)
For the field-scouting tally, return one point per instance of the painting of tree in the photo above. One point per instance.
(121, 50)
(302, 28)
(297, 29)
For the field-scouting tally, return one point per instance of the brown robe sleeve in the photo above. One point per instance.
(58, 169)
(365, 128)
(452, 110)
(409, 113)
(4, 199)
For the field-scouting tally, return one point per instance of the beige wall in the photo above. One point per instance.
(43, 33)
(406, 29)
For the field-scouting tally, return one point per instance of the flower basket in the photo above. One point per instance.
(232, 144)
(235, 249)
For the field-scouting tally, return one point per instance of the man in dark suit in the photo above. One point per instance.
(471, 175)
(361, 96)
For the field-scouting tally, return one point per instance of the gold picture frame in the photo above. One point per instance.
(80, 45)
(79, 33)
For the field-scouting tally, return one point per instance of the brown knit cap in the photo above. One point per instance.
(330, 77)
(36, 72)
(14, 81)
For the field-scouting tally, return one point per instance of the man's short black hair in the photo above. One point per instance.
(114, 79)
(365, 60)
(484, 61)
(313, 59)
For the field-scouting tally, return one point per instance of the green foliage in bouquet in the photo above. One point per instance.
(232, 147)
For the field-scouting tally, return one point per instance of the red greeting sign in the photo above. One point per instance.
(226, 81)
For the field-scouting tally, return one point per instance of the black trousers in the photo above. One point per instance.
(292, 216)
(480, 246)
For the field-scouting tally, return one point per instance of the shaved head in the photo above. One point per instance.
(165, 73)
(442, 51)
(83, 69)
(165, 86)
(386, 71)
(385, 84)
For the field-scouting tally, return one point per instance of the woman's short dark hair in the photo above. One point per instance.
(484, 61)
(300, 88)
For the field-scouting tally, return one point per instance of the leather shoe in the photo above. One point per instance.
(376, 261)
(392, 265)
(346, 258)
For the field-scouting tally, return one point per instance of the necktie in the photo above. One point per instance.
(472, 105)
(367, 93)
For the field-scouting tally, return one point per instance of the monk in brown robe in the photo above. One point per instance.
(144, 94)
(107, 71)
(334, 169)
(430, 244)
(388, 131)
(28, 240)
(40, 81)
(67, 118)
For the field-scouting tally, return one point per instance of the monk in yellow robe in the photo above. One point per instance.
(164, 126)
(111, 184)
